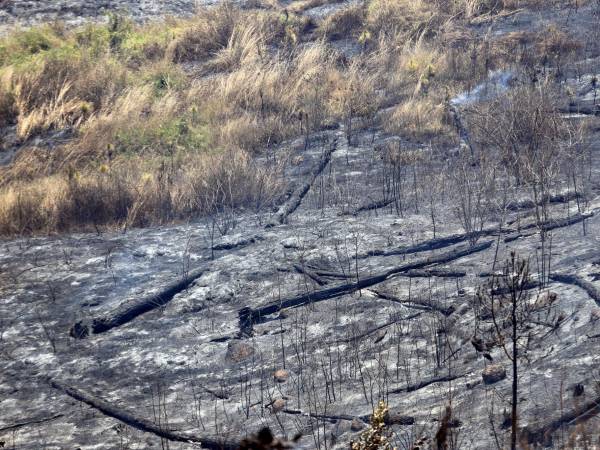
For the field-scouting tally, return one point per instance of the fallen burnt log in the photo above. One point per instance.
(139, 423)
(584, 108)
(296, 198)
(375, 330)
(580, 282)
(425, 246)
(256, 315)
(129, 310)
(439, 273)
(425, 383)
(515, 236)
(567, 221)
(512, 235)
(328, 417)
(238, 244)
(390, 419)
(416, 303)
(25, 423)
(549, 225)
(302, 270)
(543, 433)
(424, 273)
(562, 197)
(327, 273)
(378, 204)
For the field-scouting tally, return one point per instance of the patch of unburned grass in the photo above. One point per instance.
(167, 100)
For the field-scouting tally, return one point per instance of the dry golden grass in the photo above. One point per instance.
(59, 92)
(209, 32)
(550, 47)
(8, 111)
(264, 103)
(354, 95)
(125, 196)
(58, 112)
(345, 23)
(422, 118)
(151, 110)
(126, 107)
(132, 110)
(407, 17)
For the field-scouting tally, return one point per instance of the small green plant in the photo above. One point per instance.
(164, 78)
(375, 437)
(119, 28)
(94, 38)
(22, 46)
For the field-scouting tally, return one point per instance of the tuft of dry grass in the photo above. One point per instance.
(262, 104)
(209, 32)
(123, 196)
(409, 18)
(60, 91)
(421, 118)
(346, 23)
(8, 109)
(58, 112)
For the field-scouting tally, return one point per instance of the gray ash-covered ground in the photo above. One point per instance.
(187, 367)
(73, 12)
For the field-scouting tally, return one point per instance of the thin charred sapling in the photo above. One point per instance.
(507, 306)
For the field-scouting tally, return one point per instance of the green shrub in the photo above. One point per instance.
(93, 38)
(22, 45)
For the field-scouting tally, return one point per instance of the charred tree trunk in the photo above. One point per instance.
(129, 310)
(296, 198)
(139, 423)
(337, 291)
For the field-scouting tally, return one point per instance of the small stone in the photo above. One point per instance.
(278, 405)
(357, 425)
(281, 375)
(595, 315)
(340, 428)
(493, 373)
(470, 385)
(546, 300)
(578, 390)
(291, 243)
(238, 351)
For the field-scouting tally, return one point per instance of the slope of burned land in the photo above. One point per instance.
(357, 264)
